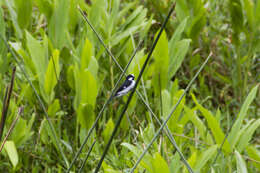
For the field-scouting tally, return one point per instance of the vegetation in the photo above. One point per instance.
(64, 76)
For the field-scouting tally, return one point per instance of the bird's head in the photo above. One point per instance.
(130, 77)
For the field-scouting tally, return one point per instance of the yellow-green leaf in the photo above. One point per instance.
(11, 152)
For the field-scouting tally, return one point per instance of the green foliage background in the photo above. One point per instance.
(74, 76)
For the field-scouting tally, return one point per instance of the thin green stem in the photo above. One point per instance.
(86, 158)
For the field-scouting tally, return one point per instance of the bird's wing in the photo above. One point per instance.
(126, 84)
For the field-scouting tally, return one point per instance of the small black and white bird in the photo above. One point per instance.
(126, 86)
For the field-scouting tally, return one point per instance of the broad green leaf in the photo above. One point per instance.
(59, 23)
(174, 123)
(248, 7)
(131, 17)
(204, 157)
(110, 24)
(86, 55)
(21, 132)
(214, 126)
(85, 115)
(175, 164)
(52, 74)
(161, 62)
(54, 108)
(179, 53)
(109, 169)
(182, 10)
(117, 37)
(247, 135)
(2, 24)
(233, 137)
(96, 11)
(43, 132)
(132, 148)
(198, 21)
(70, 76)
(159, 164)
(24, 12)
(10, 148)
(3, 61)
(176, 37)
(241, 165)
(254, 153)
(45, 7)
(89, 88)
(14, 17)
(88, 61)
(93, 67)
(191, 113)
(193, 158)
(166, 102)
(146, 161)
(37, 53)
(237, 20)
(108, 130)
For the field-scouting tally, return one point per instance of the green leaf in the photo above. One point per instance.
(96, 11)
(86, 55)
(24, 12)
(11, 152)
(58, 23)
(37, 53)
(174, 123)
(248, 7)
(159, 164)
(204, 157)
(89, 88)
(52, 74)
(45, 7)
(2, 26)
(161, 57)
(175, 164)
(214, 126)
(85, 115)
(254, 153)
(2, 33)
(166, 102)
(247, 135)
(70, 76)
(146, 161)
(21, 132)
(233, 137)
(13, 15)
(241, 165)
(108, 130)
(191, 113)
(117, 37)
(179, 53)
(54, 108)
(176, 37)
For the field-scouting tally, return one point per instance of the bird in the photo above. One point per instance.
(126, 86)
